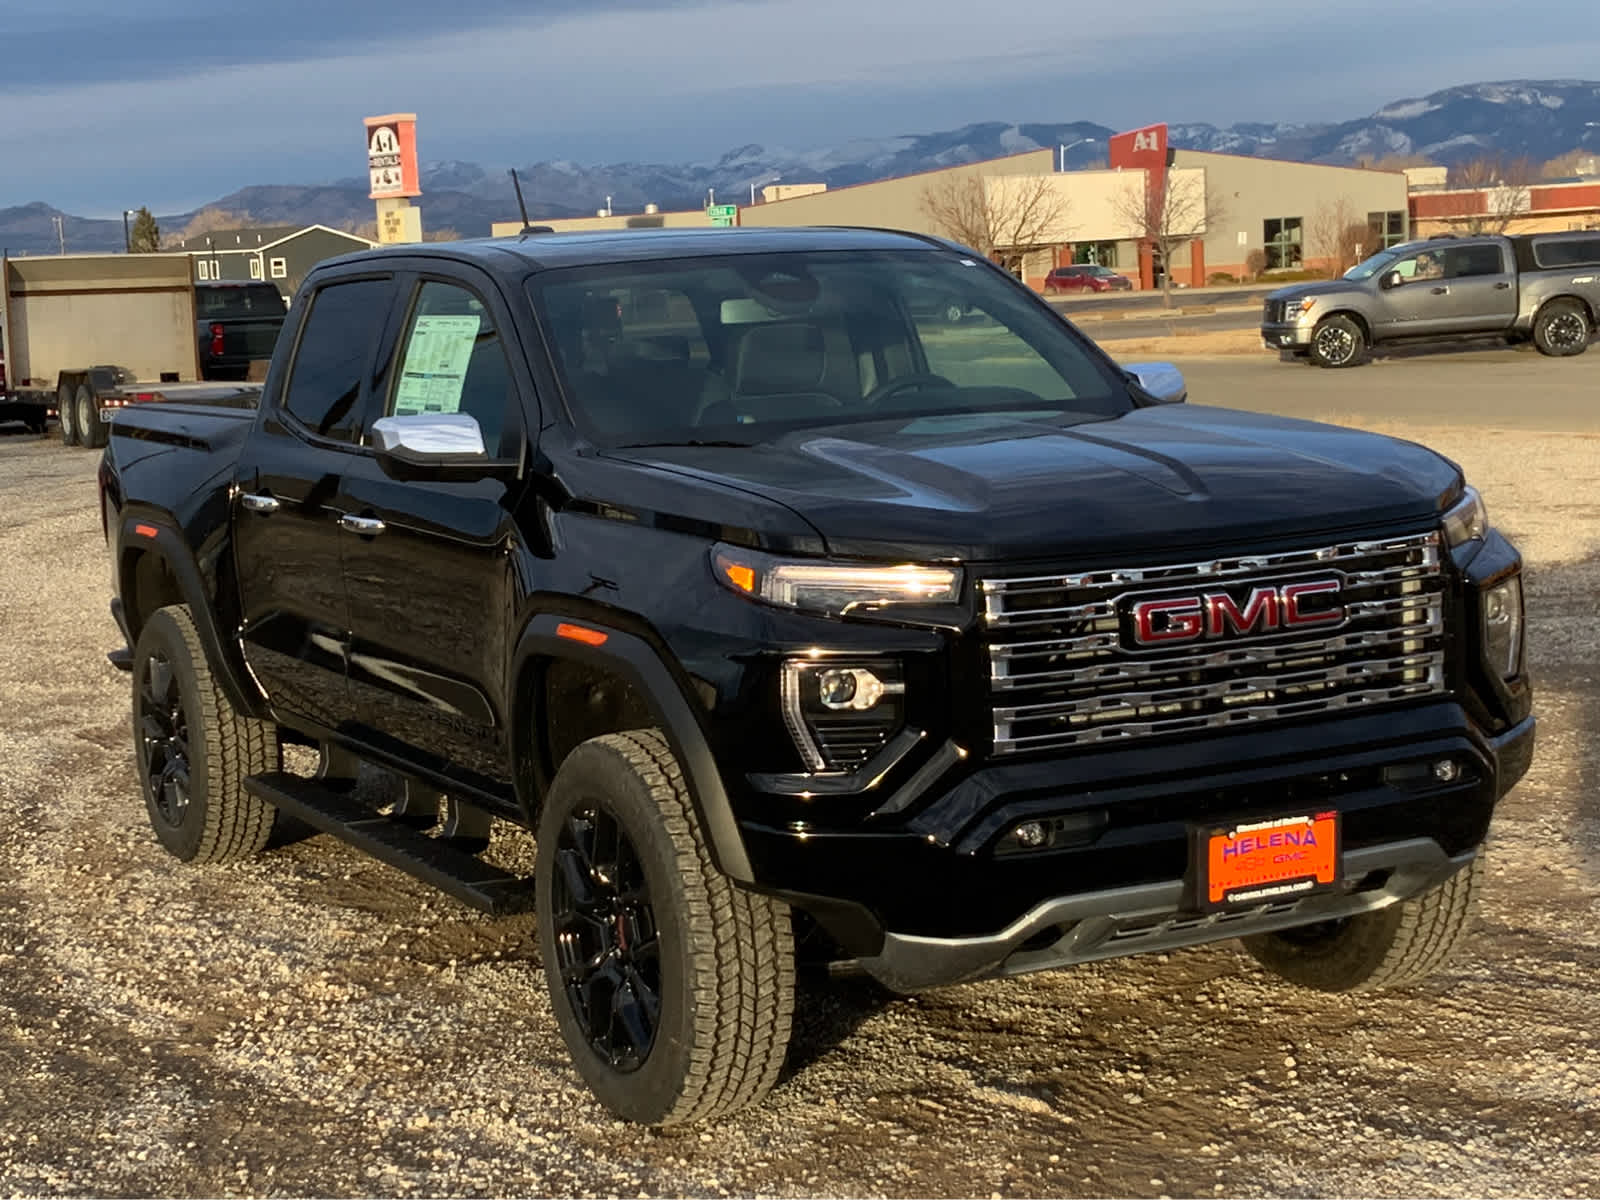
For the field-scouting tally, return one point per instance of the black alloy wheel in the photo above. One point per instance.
(607, 943)
(1561, 329)
(163, 741)
(1338, 341)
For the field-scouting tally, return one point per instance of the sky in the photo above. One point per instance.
(113, 104)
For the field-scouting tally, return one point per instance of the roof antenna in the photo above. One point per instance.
(522, 207)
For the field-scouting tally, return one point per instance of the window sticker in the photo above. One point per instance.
(436, 365)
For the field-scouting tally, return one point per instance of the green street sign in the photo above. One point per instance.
(722, 214)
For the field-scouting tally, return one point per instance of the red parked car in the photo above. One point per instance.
(1086, 277)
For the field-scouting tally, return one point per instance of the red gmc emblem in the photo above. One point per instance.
(1268, 609)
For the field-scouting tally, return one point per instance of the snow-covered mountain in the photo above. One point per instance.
(1537, 119)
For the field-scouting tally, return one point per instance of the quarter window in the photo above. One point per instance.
(1283, 237)
(335, 348)
(453, 361)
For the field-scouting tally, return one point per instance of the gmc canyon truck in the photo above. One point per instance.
(801, 627)
(1543, 288)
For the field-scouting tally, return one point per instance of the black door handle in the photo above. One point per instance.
(1441, 291)
(1501, 286)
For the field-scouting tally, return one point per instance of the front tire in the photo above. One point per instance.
(194, 751)
(1395, 946)
(1337, 341)
(1562, 329)
(673, 989)
(65, 418)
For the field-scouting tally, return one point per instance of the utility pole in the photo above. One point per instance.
(127, 238)
(61, 233)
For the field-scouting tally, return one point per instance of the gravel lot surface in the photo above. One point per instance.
(314, 1023)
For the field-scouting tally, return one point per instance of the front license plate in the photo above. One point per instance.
(1257, 862)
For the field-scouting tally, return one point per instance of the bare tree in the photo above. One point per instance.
(1005, 217)
(1573, 162)
(1338, 234)
(1393, 162)
(1170, 214)
(1503, 184)
(210, 220)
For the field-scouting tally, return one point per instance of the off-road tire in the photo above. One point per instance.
(220, 822)
(1392, 947)
(1338, 341)
(726, 956)
(66, 420)
(1562, 329)
(91, 430)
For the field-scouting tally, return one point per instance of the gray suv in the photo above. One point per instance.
(1539, 287)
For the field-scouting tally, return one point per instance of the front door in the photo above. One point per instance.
(1420, 302)
(432, 591)
(287, 540)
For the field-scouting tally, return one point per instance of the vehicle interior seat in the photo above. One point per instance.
(787, 369)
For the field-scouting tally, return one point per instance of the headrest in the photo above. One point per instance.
(775, 359)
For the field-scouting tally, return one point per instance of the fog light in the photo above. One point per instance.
(1030, 834)
(1447, 770)
(854, 688)
(1502, 626)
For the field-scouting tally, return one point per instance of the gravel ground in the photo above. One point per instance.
(314, 1023)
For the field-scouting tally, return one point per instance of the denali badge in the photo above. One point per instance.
(1218, 615)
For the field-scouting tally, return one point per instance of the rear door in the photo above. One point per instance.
(287, 539)
(1481, 288)
(431, 584)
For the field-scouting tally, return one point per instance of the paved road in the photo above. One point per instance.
(1167, 326)
(1481, 387)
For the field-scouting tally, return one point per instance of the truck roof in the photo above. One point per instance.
(544, 251)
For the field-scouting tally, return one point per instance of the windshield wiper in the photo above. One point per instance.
(687, 442)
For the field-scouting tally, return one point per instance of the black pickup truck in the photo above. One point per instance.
(237, 325)
(803, 625)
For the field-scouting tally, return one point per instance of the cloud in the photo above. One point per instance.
(186, 103)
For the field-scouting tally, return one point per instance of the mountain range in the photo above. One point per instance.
(1537, 119)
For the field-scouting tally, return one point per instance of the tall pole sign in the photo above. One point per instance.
(393, 176)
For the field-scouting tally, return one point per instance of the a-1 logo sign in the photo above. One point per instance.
(1147, 139)
(384, 142)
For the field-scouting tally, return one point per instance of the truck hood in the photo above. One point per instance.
(992, 487)
(1330, 287)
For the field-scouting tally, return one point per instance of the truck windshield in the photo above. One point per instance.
(1369, 268)
(741, 348)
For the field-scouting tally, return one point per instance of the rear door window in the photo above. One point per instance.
(334, 356)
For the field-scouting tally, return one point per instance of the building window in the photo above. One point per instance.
(1103, 254)
(202, 268)
(1386, 229)
(255, 268)
(1282, 237)
(280, 268)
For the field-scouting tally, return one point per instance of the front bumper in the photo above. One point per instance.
(1286, 336)
(922, 898)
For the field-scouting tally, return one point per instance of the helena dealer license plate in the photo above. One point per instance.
(1261, 862)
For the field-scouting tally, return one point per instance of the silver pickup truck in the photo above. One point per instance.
(1543, 287)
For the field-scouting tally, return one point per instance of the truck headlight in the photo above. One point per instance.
(1467, 520)
(841, 712)
(835, 589)
(1294, 309)
(1502, 626)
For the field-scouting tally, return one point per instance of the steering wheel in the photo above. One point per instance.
(904, 383)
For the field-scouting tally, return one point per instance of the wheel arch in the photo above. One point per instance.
(1582, 301)
(592, 650)
(155, 568)
(1355, 315)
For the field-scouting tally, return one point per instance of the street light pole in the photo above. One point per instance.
(127, 238)
(1069, 146)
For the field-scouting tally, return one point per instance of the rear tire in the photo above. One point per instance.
(194, 751)
(91, 430)
(1561, 329)
(65, 417)
(1338, 341)
(673, 989)
(1395, 946)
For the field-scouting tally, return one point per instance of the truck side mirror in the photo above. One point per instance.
(1161, 381)
(1392, 280)
(429, 436)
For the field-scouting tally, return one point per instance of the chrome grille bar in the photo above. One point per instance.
(1079, 683)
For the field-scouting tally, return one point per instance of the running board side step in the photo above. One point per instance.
(468, 878)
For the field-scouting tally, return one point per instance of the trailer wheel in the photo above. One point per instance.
(64, 417)
(91, 430)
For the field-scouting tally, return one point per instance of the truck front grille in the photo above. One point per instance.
(1271, 312)
(1068, 666)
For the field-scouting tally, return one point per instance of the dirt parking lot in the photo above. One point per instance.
(314, 1023)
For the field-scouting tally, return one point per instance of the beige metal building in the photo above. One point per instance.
(1288, 211)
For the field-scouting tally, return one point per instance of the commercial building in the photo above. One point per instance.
(1217, 213)
(1546, 207)
(280, 254)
